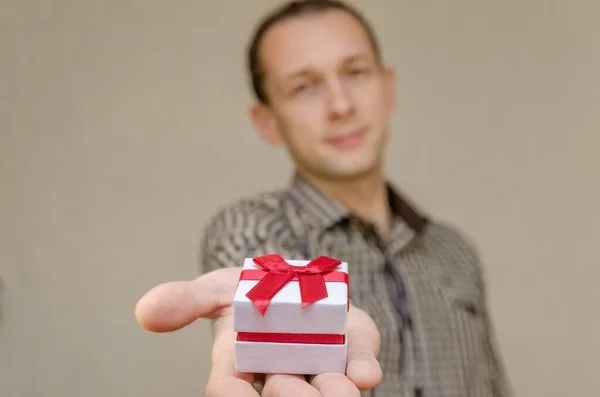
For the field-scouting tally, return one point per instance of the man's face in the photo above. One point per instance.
(329, 100)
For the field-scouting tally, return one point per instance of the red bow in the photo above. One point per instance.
(312, 283)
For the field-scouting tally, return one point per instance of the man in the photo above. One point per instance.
(418, 325)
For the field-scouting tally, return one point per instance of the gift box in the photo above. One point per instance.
(290, 316)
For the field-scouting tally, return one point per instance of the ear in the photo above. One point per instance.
(389, 88)
(266, 123)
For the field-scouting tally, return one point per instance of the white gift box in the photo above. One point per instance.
(290, 338)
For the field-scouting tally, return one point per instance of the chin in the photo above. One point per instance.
(351, 169)
(332, 164)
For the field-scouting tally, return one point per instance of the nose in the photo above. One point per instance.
(341, 103)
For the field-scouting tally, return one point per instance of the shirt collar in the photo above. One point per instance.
(325, 212)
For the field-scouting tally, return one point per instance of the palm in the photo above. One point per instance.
(171, 306)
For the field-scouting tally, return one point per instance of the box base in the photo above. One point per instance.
(292, 358)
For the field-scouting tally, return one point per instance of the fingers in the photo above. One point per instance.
(324, 385)
(335, 385)
(173, 305)
(287, 386)
(227, 386)
(223, 381)
(363, 348)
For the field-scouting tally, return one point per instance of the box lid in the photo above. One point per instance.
(285, 313)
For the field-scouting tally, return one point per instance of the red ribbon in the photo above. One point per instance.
(312, 282)
(312, 339)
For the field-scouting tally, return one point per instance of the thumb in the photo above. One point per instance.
(363, 348)
(173, 305)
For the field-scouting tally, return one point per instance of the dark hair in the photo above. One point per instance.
(291, 10)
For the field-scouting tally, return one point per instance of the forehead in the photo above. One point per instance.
(313, 41)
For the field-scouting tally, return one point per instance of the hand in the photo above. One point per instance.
(174, 305)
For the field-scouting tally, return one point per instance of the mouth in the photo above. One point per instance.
(349, 140)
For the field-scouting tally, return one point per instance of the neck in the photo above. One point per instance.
(366, 196)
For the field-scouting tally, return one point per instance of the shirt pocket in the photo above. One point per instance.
(461, 290)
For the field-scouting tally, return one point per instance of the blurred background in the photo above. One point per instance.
(123, 127)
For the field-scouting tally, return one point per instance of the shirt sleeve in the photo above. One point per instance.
(498, 377)
(233, 234)
(220, 247)
(499, 381)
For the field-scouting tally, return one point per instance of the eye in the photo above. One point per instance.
(357, 71)
(302, 87)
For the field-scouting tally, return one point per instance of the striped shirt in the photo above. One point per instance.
(423, 287)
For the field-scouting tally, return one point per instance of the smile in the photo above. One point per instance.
(348, 141)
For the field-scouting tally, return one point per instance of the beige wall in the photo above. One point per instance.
(123, 126)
